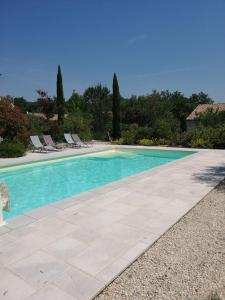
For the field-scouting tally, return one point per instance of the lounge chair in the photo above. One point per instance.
(37, 145)
(78, 141)
(70, 141)
(49, 142)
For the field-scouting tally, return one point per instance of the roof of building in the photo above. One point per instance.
(42, 115)
(202, 108)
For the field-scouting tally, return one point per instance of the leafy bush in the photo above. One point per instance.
(119, 141)
(200, 143)
(37, 125)
(152, 142)
(147, 142)
(78, 123)
(100, 135)
(142, 133)
(13, 123)
(132, 133)
(129, 134)
(163, 129)
(201, 137)
(11, 149)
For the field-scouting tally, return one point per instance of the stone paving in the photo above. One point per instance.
(73, 248)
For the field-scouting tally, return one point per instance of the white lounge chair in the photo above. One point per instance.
(37, 145)
(70, 141)
(78, 141)
(49, 142)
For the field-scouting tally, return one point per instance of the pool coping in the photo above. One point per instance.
(163, 177)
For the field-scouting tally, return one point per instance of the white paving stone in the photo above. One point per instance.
(66, 248)
(98, 255)
(19, 221)
(12, 287)
(78, 284)
(50, 293)
(135, 251)
(39, 269)
(112, 270)
(42, 212)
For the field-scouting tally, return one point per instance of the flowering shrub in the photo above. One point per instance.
(13, 123)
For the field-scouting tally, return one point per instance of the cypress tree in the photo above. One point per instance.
(60, 101)
(116, 109)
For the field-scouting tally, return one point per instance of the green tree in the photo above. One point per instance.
(75, 103)
(98, 104)
(60, 101)
(200, 98)
(116, 108)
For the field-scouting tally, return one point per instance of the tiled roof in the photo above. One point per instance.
(42, 115)
(201, 108)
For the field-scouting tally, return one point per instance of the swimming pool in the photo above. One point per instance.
(38, 184)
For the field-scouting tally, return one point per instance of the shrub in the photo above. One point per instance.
(201, 137)
(128, 138)
(13, 123)
(162, 129)
(162, 141)
(37, 125)
(120, 141)
(152, 142)
(200, 143)
(147, 142)
(11, 149)
(132, 133)
(78, 123)
(100, 135)
(142, 133)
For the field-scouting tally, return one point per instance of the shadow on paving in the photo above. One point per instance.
(211, 176)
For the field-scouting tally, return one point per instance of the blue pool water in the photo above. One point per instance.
(37, 184)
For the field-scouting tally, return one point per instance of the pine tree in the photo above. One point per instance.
(116, 109)
(60, 101)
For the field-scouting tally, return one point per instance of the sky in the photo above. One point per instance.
(149, 44)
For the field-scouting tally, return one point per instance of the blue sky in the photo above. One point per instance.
(150, 44)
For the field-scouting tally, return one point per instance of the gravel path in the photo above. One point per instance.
(188, 262)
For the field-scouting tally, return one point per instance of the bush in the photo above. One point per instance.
(201, 137)
(163, 129)
(147, 142)
(11, 149)
(132, 133)
(78, 123)
(13, 123)
(37, 125)
(142, 133)
(100, 135)
(152, 142)
(119, 141)
(200, 143)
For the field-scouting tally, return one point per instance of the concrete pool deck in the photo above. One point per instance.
(73, 248)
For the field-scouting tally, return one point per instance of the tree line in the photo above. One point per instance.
(161, 113)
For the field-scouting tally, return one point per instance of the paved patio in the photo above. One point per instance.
(73, 248)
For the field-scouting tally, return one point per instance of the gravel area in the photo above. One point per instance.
(187, 262)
